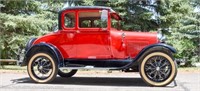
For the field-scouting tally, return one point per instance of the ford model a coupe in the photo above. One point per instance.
(87, 38)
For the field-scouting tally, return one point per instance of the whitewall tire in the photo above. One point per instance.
(158, 69)
(42, 68)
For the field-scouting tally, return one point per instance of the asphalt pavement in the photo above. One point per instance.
(98, 81)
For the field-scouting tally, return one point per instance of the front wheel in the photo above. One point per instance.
(158, 69)
(42, 68)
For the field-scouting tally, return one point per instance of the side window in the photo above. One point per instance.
(91, 19)
(85, 23)
(70, 20)
(97, 23)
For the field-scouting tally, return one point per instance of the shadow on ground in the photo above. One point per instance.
(97, 81)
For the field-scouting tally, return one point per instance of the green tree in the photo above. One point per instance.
(180, 21)
(138, 15)
(19, 21)
(22, 19)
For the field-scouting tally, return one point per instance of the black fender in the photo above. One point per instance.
(44, 47)
(135, 61)
(173, 50)
(29, 43)
(170, 48)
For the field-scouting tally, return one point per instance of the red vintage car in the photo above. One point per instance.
(89, 37)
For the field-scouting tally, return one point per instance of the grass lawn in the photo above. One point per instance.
(12, 67)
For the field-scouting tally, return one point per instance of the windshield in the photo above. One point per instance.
(115, 23)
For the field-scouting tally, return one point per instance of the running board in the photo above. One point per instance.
(91, 68)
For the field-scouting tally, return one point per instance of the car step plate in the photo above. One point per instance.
(90, 67)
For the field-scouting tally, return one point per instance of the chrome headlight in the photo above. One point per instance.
(161, 37)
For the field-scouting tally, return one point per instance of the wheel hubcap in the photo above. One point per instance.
(158, 68)
(41, 67)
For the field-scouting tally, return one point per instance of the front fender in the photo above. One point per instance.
(173, 50)
(135, 61)
(44, 47)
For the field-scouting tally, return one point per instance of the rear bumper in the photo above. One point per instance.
(21, 61)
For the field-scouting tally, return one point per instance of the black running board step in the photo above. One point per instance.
(91, 68)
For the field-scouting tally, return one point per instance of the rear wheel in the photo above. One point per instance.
(158, 69)
(66, 72)
(42, 68)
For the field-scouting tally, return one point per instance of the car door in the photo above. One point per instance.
(67, 35)
(91, 40)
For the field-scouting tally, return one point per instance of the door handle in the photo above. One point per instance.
(123, 42)
(123, 36)
(77, 31)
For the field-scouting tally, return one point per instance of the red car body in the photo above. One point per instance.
(86, 39)
(95, 43)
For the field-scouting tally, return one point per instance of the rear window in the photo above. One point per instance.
(70, 20)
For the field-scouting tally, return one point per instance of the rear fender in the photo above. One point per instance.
(44, 47)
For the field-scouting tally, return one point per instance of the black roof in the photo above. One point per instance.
(88, 7)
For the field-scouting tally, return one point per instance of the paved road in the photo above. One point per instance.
(98, 82)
